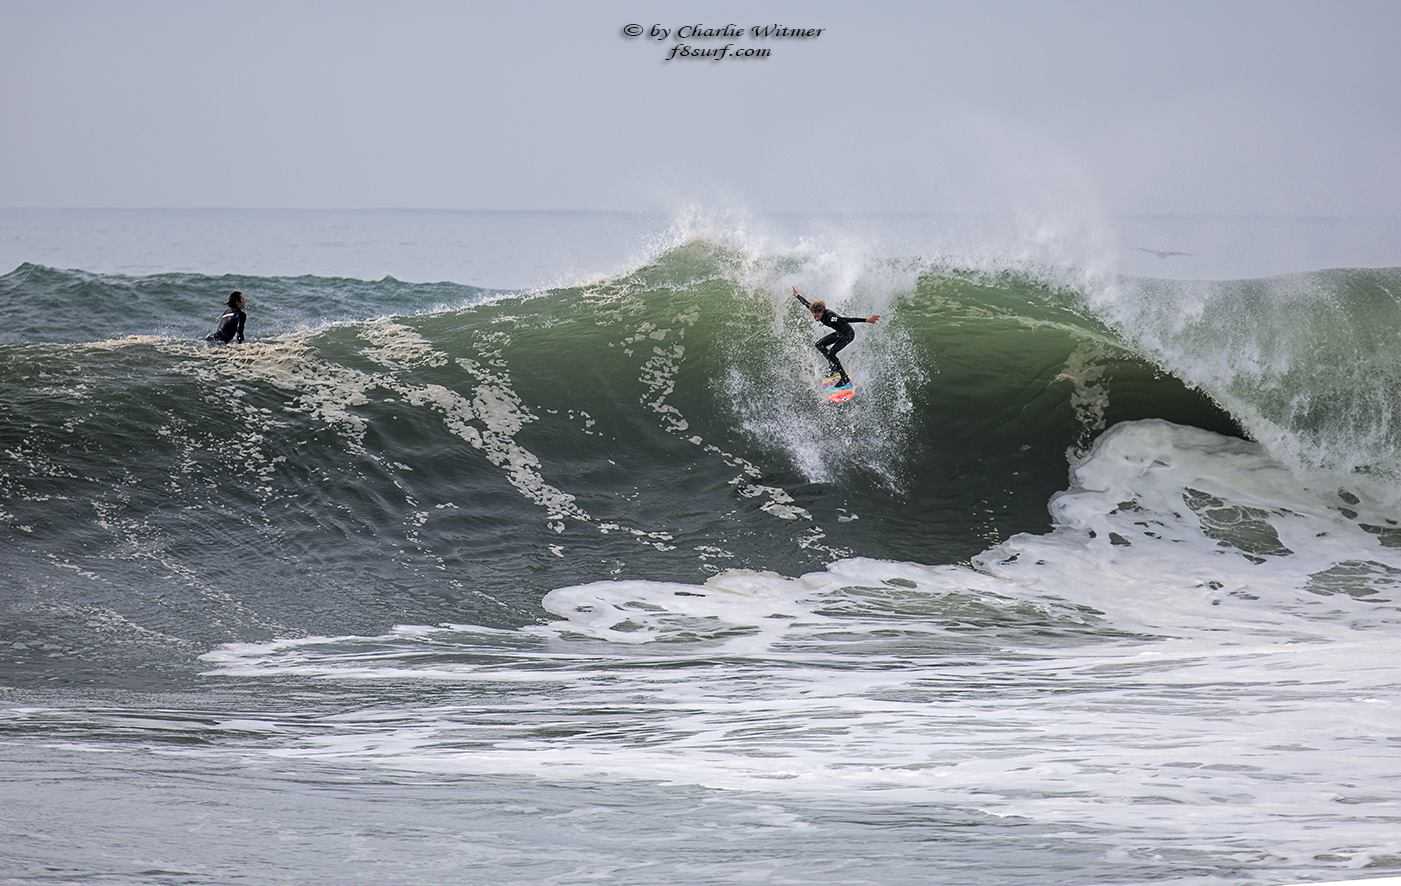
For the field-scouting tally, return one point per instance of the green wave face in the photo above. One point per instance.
(675, 407)
(549, 438)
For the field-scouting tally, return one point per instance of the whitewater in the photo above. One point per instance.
(520, 547)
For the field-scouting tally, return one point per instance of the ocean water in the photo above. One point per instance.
(521, 547)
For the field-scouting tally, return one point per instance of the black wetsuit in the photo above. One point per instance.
(841, 335)
(229, 326)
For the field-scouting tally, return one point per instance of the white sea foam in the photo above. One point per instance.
(1192, 652)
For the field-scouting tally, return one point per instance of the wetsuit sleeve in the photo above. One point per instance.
(223, 329)
(807, 304)
(241, 318)
(853, 319)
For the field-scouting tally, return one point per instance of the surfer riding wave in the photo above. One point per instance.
(841, 335)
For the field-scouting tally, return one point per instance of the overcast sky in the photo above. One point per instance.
(1178, 107)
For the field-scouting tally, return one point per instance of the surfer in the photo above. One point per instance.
(841, 335)
(230, 324)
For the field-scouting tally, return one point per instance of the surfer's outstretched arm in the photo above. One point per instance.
(874, 318)
(799, 296)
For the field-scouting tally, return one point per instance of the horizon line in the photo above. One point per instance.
(1141, 214)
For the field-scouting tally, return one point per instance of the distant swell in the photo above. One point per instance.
(52, 305)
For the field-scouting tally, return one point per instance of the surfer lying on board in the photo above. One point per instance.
(841, 335)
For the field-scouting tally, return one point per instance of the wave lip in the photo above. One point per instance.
(1302, 361)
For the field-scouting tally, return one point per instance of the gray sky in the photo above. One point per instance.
(1237, 107)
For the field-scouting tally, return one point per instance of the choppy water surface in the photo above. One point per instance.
(1095, 581)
